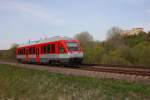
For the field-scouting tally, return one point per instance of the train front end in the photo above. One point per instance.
(75, 52)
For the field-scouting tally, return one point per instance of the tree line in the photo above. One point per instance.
(117, 49)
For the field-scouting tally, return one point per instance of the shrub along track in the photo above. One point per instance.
(93, 70)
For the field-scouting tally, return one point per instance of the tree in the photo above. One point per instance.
(13, 51)
(10, 53)
(114, 32)
(148, 36)
(85, 39)
(114, 37)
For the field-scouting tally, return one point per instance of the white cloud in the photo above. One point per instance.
(35, 11)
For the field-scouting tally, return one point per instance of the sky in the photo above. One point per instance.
(24, 20)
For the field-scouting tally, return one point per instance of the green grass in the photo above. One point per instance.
(24, 84)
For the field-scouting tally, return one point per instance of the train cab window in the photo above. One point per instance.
(61, 49)
(73, 46)
(48, 48)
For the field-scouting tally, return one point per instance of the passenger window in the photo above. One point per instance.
(23, 50)
(33, 50)
(48, 48)
(45, 49)
(30, 51)
(18, 52)
(61, 50)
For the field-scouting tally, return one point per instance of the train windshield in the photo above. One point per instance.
(73, 46)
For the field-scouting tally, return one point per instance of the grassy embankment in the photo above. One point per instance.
(25, 84)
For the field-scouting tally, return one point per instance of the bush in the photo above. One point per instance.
(141, 54)
(93, 55)
(133, 40)
(115, 57)
(10, 53)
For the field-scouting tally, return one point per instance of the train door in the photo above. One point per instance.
(26, 55)
(53, 52)
(37, 52)
(53, 48)
(61, 48)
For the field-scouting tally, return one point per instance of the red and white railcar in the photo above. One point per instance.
(55, 49)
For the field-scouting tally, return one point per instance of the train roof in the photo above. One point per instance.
(51, 39)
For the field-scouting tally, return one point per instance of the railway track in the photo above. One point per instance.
(130, 71)
(93, 70)
(118, 69)
(118, 66)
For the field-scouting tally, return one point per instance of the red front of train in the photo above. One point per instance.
(52, 50)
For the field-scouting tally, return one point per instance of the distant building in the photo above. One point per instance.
(133, 31)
